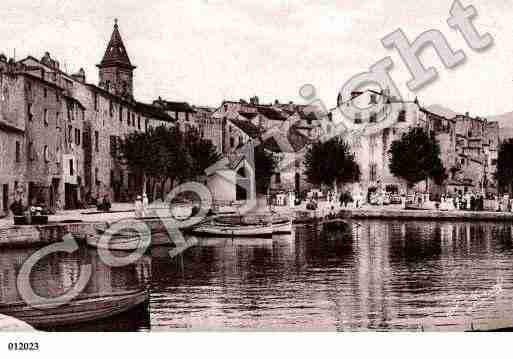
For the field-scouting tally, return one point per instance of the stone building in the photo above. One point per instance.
(13, 161)
(371, 132)
(60, 134)
(471, 160)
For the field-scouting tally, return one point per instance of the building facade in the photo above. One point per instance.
(60, 134)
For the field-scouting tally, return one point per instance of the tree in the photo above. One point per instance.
(166, 155)
(504, 175)
(265, 167)
(203, 153)
(331, 163)
(416, 157)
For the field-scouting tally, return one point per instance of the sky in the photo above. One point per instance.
(206, 51)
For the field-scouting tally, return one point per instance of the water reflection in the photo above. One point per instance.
(57, 273)
(383, 276)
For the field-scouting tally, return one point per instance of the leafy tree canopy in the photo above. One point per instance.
(331, 162)
(416, 157)
(504, 173)
(265, 167)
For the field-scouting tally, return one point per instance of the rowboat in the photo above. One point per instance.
(251, 226)
(217, 229)
(282, 226)
(77, 311)
(123, 240)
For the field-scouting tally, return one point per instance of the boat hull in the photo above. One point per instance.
(77, 311)
(233, 231)
(118, 241)
(282, 227)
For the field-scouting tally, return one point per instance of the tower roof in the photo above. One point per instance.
(115, 54)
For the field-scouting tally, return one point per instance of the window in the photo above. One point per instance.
(71, 169)
(46, 155)
(120, 113)
(96, 141)
(29, 112)
(70, 134)
(45, 117)
(111, 109)
(146, 125)
(45, 93)
(494, 162)
(278, 178)
(31, 151)
(139, 122)
(95, 101)
(77, 136)
(58, 120)
(17, 151)
(373, 172)
(373, 117)
(57, 97)
(357, 118)
(402, 116)
(232, 142)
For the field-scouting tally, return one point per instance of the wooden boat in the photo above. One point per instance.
(217, 229)
(79, 310)
(282, 226)
(253, 226)
(124, 240)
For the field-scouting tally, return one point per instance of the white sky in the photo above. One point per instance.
(204, 51)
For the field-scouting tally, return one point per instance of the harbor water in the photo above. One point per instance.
(379, 275)
(383, 275)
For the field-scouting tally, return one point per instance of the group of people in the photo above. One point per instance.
(465, 202)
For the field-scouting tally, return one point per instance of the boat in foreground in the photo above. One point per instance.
(77, 311)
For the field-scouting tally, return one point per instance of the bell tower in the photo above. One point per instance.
(116, 70)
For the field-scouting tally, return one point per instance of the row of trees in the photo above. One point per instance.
(167, 155)
(415, 157)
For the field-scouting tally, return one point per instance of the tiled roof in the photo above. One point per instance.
(248, 115)
(153, 111)
(250, 129)
(174, 106)
(271, 113)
